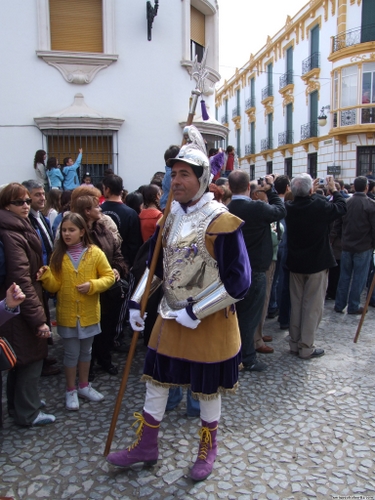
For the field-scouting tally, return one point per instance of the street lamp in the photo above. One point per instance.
(322, 118)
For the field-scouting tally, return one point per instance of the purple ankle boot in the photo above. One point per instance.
(145, 449)
(207, 452)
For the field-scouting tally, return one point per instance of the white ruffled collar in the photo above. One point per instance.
(178, 210)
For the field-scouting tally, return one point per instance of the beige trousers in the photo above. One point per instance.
(307, 294)
(258, 336)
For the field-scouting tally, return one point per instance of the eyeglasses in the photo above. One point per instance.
(19, 203)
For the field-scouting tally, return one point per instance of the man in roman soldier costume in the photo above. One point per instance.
(195, 343)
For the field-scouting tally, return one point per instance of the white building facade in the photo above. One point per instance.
(306, 101)
(110, 76)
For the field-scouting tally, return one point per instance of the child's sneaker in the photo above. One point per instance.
(90, 393)
(71, 400)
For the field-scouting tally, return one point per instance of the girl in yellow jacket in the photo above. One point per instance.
(79, 271)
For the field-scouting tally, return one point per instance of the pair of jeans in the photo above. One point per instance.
(249, 312)
(354, 269)
(175, 397)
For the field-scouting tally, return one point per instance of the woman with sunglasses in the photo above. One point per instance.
(28, 331)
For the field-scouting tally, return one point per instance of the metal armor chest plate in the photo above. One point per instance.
(189, 270)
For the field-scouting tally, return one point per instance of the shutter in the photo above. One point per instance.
(197, 27)
(76, 25)
(97, 149)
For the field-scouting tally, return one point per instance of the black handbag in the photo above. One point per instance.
(118, 290)
(8, 357)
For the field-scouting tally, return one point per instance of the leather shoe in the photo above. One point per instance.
(50, 370)
(358, 311)
(315, 354)
(267, 338)
(265, 349)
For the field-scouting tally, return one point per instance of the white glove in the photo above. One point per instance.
(184, 319)
(136, 320)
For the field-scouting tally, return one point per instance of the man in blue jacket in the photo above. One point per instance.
(70, 172)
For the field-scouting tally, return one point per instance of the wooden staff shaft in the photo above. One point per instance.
(134, 341)
(365, 309)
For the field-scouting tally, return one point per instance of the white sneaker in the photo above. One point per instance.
(71, 399)
(89, 393)
(44, 419)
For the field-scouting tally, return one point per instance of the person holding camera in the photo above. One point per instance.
(309, 256)
(257, 217)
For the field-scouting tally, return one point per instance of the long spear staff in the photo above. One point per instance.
(369, 295)
(199, 73)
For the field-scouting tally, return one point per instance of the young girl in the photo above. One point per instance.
(54, 174)
(79, 272)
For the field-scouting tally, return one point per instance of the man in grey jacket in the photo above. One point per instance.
(358, 242)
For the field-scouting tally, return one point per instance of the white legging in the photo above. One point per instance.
(157, 397)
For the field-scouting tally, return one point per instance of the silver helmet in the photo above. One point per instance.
(194, 154)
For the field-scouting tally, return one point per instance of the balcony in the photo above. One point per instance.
(224, 119)
(286, 137)
(353, 37)
(249, 149)
(250, 103)
(309, 130)
(267, 92)
(266, 144)
(236, 112)
(285, 79)
(311, 63)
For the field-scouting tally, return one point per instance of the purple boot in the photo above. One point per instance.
(207, 452)
(145, 449)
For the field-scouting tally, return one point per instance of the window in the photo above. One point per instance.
(269, 168)
(77, 37)
(368, 93)
(98, 149)
(252, 138)
(312, 164)
(349, 86)
(252, 172)
(76, 26)
(238, 134)
(368, 21)
(270, 130)
(197, 34)
(365, 160)
(288, 170)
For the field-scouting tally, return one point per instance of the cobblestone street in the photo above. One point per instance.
(302, 429)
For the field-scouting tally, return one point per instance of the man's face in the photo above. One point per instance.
(184, 182)
(38, 199)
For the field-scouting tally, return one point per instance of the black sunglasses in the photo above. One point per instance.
(19, 203)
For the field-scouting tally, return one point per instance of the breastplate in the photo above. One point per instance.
(189, 269)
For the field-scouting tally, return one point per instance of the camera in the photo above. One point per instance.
(322, 182)
(260, 181)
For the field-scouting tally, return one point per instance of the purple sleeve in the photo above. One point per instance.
(233, 262)
(5, 315)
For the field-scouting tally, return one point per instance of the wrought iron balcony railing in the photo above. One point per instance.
(224, 119)
(285, 79)
(250, 103)
(353, 37)
(286, 137)
(236, 112)
(311, 62)
(267, 92)
(309, 130)
(249, 149)
(266, 144)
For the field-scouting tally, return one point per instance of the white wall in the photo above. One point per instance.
(147, 87)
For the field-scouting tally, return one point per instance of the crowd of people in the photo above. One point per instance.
(231, 252)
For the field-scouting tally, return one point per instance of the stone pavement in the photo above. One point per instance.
(300, 430)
